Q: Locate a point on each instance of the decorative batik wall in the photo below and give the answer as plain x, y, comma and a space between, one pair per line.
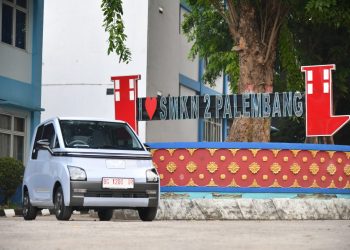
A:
253, 167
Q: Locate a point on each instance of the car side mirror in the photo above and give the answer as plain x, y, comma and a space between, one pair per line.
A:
148, 148
44, 144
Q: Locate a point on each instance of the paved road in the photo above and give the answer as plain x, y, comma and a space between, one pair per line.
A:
84, 232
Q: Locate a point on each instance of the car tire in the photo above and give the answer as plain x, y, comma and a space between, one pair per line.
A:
62, 212
105, 214
147, 213
29, 212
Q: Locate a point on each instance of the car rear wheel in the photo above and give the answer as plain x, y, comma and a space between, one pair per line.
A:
62, 212
147, 213
29, 212
105, 214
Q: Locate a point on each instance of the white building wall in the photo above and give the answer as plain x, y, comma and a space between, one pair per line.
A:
219, 84
76, 67
165, 58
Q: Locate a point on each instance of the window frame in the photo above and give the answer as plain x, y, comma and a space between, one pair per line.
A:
26, 11
212, 130
14, 133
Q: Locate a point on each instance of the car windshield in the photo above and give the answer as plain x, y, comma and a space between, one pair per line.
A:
98, 135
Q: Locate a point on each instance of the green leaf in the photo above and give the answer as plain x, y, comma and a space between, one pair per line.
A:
113, 23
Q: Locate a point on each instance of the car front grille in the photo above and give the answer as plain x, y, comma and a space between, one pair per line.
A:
116, 195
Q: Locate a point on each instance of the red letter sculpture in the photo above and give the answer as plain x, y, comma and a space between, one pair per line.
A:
125, 97
319, 102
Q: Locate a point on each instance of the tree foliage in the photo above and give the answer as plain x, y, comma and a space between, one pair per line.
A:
315, 33
113, 24
300, 34
11, 174
288, 75
209, 33
214, 28
335, 13
322, 32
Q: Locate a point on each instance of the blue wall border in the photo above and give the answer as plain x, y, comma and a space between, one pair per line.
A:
250, 145
254, 190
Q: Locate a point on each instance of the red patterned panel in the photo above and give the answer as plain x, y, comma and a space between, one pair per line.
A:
304, 158
286, 159
339, 160
161, 159
243, 158
253, 168
202, 157
322, 160
265, 158
223, 158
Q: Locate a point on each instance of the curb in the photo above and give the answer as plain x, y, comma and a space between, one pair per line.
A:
233, 209
245, 209
18, 212
255, 209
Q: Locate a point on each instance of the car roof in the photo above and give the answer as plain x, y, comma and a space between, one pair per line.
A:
75, 118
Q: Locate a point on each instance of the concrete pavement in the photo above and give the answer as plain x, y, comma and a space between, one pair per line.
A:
83, 232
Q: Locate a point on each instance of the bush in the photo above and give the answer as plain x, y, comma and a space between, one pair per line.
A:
11, 175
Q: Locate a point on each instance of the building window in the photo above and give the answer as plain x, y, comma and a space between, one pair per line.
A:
212, 130
12, 136
14, 23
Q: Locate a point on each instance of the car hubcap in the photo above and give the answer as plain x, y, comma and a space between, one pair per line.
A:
25, 205
58, 205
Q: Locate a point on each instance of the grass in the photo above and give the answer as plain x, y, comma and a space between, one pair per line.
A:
10, 206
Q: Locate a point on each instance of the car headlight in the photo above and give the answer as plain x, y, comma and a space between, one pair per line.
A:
77, 174
152, 175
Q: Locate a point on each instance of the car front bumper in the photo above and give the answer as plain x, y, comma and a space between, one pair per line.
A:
90, 194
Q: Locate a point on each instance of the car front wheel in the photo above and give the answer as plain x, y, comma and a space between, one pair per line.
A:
147, 213
62, 212
29, 212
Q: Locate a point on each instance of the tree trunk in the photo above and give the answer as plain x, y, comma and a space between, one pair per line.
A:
256, 75
313, 140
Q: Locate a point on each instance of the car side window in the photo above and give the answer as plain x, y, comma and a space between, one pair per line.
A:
49, 134
38, 136
44, 132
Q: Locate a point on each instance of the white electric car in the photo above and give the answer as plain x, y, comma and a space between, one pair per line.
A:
81, 164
